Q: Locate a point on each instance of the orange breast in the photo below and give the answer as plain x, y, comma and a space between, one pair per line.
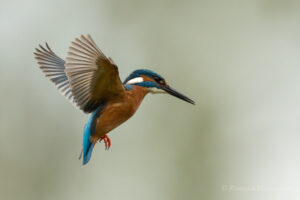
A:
118, 110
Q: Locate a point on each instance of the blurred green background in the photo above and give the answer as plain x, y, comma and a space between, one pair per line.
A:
239, 60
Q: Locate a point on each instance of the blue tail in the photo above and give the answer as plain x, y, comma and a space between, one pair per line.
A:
89, 130
88, 146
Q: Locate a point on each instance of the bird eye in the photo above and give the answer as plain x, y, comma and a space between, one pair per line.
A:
159, 80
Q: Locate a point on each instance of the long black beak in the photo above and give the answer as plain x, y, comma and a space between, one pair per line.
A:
174, 93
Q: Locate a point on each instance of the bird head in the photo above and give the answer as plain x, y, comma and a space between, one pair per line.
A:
154, 83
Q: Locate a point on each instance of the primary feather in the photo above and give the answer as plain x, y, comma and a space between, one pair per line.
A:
54, 69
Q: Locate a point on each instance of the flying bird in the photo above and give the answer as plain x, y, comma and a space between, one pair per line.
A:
91, 81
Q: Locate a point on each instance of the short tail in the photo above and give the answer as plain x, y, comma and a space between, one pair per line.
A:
89, 130
87, 148
87, 154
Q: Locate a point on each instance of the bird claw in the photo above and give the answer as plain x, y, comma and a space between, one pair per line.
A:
106, 140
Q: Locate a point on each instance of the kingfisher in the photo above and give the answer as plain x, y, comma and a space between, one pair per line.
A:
90, 80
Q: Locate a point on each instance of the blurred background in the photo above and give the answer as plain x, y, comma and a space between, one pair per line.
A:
239, 60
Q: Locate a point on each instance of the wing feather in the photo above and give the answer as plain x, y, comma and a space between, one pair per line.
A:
93, 77
54, 69
87, 78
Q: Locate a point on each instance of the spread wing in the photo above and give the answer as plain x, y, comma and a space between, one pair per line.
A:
54, 69
93, 77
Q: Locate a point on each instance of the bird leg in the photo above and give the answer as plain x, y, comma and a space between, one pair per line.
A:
106, 140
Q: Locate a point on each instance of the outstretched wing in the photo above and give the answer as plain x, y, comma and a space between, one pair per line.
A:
93, 77
54, 69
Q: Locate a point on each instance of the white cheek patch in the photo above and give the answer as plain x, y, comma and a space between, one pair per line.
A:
135, 80
156, 91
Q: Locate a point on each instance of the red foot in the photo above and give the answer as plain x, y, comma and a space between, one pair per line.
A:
107, 141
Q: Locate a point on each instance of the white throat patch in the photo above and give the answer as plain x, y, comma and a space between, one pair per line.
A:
156, 91
135, 80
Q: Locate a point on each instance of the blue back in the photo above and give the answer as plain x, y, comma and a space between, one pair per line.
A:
89, 130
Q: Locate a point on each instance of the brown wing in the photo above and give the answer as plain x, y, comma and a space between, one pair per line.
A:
93, 77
